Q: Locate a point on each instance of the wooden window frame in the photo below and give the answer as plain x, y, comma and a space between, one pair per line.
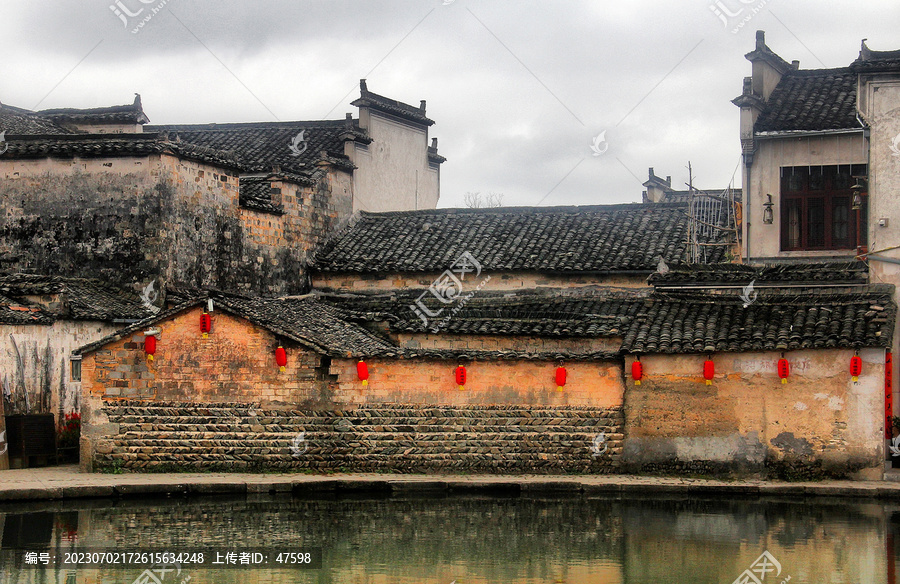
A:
814, 185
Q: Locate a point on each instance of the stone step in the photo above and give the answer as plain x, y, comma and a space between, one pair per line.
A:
484, 466
412, 457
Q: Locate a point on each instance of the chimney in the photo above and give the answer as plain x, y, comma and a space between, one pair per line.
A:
760, 39
362, 85
795, 64
422, 106
668, 180
434, 144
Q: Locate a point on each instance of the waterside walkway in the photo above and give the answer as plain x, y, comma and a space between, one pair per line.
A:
68, 482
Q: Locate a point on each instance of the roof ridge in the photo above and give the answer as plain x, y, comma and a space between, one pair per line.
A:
524, 209
225, 126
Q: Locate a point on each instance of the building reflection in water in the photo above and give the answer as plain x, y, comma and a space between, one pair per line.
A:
484, 539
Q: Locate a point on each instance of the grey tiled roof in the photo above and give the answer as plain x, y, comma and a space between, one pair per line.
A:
303, 320
255, 193
871, 61
673, 196
646, 321
310, 322
132, 113
697, 322
580, 312
17, 121
391, 106
18, 312
836, 273
265, 145
81, 299
108, 145
813, 99
658, 321
603, 239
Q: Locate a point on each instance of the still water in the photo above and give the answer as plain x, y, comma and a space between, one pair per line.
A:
467, 540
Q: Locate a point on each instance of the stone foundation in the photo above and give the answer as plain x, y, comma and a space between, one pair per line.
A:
167, 436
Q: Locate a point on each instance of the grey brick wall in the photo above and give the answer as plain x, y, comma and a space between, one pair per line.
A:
393, 437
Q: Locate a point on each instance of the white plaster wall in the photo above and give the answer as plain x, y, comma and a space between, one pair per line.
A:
880, 107
764, 241
393, 172
36, 359
11, 168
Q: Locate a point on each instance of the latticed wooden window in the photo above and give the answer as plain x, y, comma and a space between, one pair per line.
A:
816, 208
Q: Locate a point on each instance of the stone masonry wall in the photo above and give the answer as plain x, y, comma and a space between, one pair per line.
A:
819, 424
385, 437
97, 218
160, 218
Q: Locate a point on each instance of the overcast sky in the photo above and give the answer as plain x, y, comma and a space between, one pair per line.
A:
519, 90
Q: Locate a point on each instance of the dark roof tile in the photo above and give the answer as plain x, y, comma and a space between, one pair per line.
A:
16, 121
811, 100
264, 146
81, 299
836, 273
607, 238
132, 113
702, 322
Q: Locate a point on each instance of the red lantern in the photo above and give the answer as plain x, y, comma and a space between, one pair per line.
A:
784, 369
461, 376
205, 324
709, 371
637, 372
560, 378
281, 357
855, 367
362, 371
150, 347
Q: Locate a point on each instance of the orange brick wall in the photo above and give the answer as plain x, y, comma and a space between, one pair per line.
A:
819, 421
497, 382
236, 363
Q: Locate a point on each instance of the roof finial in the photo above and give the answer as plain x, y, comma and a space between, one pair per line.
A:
760, 39
362, 85
864, 52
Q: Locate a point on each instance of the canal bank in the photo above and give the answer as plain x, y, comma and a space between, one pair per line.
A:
68, 482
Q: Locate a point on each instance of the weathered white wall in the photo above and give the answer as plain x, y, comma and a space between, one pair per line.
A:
879, 102
393, 172
764, 241
498, 281
36, 359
